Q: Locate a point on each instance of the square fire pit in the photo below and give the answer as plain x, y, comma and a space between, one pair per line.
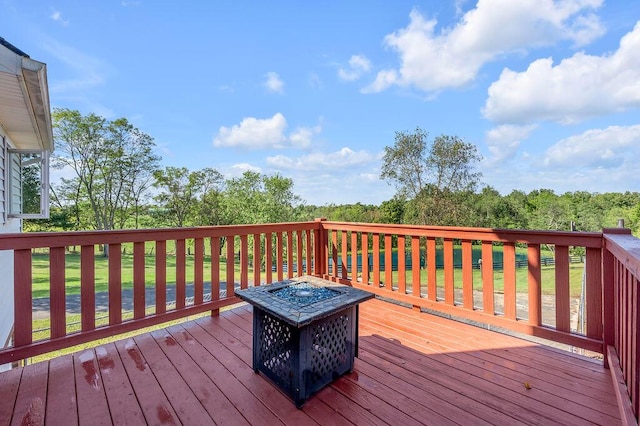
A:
305, 333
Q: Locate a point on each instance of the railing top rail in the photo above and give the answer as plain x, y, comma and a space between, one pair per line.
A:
625, 247
29, 240
583, 239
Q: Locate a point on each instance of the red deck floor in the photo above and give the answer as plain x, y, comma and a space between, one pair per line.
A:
413, 368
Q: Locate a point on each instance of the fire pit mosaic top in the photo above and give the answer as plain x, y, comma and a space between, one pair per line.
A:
302, 301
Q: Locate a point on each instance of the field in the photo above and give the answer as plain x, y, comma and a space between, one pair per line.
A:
72, 278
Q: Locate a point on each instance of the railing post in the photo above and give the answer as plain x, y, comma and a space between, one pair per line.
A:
609, 325
608, 300
22, 294
534, 278
320, 248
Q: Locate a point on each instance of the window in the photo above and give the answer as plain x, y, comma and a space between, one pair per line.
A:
28, 184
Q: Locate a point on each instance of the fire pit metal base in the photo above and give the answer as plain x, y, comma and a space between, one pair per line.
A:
303, 360
301, 346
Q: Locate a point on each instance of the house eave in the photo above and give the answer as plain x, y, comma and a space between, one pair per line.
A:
25, 113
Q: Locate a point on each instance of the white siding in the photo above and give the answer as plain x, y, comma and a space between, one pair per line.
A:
15, 185
6, 257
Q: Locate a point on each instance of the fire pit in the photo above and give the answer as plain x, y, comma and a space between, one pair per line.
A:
305, 333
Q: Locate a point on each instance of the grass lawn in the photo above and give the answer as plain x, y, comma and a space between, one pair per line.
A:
548, 279
41, 272
72, 278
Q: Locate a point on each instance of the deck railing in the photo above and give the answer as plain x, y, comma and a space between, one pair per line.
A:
524, 281
233, 250
621, 277
448, 280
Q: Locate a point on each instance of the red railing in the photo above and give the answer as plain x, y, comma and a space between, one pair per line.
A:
291, 252
621, 276
450, 287
523, 282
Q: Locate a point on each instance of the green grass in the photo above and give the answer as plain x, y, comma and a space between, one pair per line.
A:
40, 272
522, 286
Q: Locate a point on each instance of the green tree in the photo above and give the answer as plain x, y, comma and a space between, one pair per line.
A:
492, 210
548, 211
30, 183
256, 198
111, 162
435, 176
182, 193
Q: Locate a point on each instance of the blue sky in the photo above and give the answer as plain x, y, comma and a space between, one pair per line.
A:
549, 91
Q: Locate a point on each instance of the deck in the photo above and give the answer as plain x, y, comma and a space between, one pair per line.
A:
413, 368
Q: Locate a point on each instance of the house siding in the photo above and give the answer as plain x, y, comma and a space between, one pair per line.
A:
7, 225
15, 184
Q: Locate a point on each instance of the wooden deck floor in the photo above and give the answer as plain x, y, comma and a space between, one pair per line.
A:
413, 369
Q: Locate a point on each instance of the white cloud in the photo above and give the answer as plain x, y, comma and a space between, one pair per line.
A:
238, 169
503, 142
370, 177
256, 133
303, 136
432, 61
56, 15
314, 81
344, 158
384, 79
597, 160
226, 88
89, 71
608, 148
332, 181
274, 83
253, 133
578, 87
358, 65
83, 75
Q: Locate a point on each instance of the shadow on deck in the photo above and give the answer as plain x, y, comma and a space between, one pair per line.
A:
413, 368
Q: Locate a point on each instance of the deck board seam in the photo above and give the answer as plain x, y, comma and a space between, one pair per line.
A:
15, 397
482, 396
384, 386
245, 347
447, 323
187, 353
219, 342
600, 372
455, 343
512, 380
165, 386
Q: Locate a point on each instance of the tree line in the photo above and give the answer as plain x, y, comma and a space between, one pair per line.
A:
114, 181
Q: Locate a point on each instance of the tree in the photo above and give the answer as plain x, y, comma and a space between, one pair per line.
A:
548, 211
256, 198
392, 211
141, 163
183, 193
111, 162
495, 211
434, 175
30, 183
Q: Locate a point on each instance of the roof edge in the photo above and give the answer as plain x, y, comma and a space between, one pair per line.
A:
11, 47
